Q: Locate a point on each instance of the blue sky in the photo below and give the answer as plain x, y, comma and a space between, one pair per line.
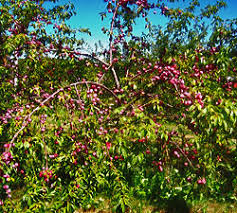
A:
88, 16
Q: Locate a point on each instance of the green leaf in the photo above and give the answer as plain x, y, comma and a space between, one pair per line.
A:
85, 30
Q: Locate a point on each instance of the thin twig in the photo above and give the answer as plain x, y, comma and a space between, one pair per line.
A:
102, 77
77, 92
190, 163
94, 57
140, 74
46, 156
176, 88
84, 54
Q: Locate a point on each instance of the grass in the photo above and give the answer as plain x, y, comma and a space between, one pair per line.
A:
214, 207
210, 206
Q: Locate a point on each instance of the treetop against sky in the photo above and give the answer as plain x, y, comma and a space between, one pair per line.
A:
88, 16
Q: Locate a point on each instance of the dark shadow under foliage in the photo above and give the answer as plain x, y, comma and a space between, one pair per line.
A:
177, 205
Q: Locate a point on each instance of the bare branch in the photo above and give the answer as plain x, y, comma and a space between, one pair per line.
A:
111, 46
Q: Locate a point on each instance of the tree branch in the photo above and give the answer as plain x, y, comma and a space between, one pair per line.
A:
25, 122
111, 46
190, 163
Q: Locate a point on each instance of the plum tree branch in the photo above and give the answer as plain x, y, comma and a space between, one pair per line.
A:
25, 121
182, 152
111, 46
109, 65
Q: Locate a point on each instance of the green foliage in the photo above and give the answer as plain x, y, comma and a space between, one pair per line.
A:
152, 118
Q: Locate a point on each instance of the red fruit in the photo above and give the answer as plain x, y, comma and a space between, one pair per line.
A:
108, 145
6, 187
176, 153
148, 151
201, 181
160, 168
115, 60
204, 181
189, 179
186, 145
